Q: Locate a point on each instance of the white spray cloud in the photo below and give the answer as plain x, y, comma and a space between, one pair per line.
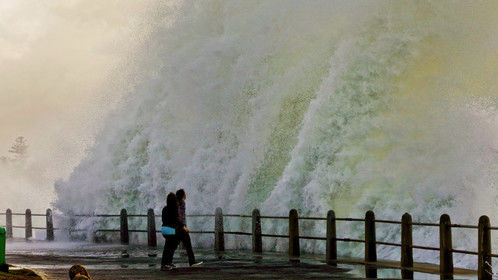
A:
316, 105
63, 66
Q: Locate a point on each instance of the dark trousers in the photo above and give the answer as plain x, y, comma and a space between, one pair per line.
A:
171, 244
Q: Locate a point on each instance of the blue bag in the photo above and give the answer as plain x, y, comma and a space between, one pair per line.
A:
168, 231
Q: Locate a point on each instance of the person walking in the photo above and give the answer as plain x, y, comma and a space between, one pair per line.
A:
181, 196
174, 231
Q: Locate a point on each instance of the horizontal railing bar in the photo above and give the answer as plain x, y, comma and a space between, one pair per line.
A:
313, 237
350, 219
237, 233
107, 230
464, 252
350, 240
194, 231
18, 227
96, 215
494, 255
3, 213
387, 243
137, 216
426, 224
313, 218
200, 215
134, 215
18, 214
274, 217
106, 215
425, 248
493, 228
464, 226
237, 215
388, 222
38, 227
275, 235
39, 215
137, 230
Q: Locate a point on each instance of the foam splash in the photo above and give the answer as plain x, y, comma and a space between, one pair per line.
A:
315, 106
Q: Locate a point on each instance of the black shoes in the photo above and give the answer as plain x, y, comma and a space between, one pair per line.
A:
167, 267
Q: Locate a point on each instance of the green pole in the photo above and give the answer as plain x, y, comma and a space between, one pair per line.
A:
3, 266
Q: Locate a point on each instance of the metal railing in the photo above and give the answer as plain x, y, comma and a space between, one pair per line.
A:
446, 250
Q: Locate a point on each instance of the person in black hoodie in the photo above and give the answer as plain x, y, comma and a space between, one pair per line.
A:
174, 231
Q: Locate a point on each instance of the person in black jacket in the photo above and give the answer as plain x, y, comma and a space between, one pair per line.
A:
181, 196
171, 220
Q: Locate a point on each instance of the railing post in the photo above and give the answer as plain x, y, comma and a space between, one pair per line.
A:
8, 221
125, 238
370, 245
95, 238
28, 225
151, 229
406, 247
3, 265
331, 239
219, 236
445, 248
72, 225
257, 242
294, 250
484, 268
50, 225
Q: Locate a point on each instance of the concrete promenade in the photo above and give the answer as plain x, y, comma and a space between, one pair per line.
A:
105, 261
55, 268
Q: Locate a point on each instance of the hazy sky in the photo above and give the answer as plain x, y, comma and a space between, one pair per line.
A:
61, 68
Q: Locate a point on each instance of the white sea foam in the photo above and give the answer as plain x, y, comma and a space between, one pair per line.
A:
316, 105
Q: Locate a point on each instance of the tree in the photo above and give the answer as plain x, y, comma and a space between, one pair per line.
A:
20, 148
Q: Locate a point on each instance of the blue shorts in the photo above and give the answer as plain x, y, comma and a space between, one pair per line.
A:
168, 230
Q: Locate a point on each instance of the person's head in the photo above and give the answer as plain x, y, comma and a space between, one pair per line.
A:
171, 200
180, 194
78, 270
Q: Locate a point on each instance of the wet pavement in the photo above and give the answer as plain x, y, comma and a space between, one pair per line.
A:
108, 261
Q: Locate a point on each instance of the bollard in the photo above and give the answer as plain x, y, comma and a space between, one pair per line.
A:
257, 241
445, 248
29, 225
219, 236
72, 225
370, 245
3, 235
95, 238
406, 247
331, 239
294, 250
125, 238
8, 218
151, 229
484, 268
50, 225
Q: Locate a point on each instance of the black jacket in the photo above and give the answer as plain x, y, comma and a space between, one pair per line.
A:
171, 219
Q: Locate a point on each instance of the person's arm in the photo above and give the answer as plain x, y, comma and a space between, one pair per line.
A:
179, 223
164, 216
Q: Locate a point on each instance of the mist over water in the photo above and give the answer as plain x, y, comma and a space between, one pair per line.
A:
62, 67
351, 106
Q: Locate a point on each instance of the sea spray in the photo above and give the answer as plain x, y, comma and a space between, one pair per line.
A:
315, 106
